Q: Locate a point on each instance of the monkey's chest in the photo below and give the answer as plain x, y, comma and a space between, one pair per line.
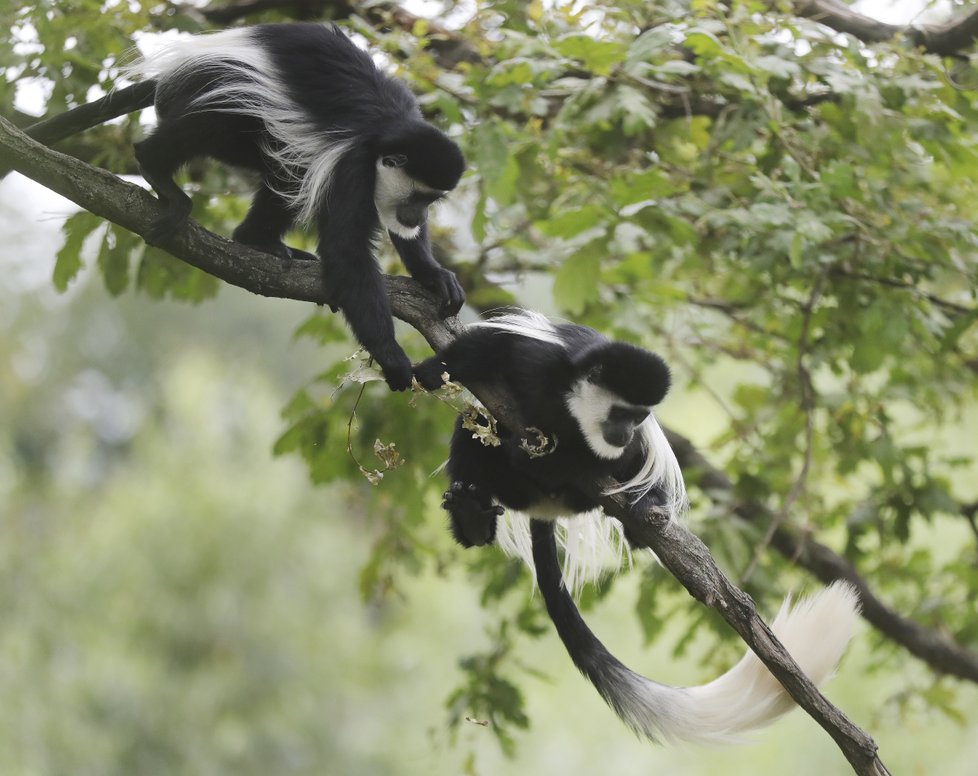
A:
561, 502
560, 486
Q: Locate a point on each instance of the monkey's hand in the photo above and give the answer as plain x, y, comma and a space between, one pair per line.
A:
397, 372
429, 373
443, 284
472, 513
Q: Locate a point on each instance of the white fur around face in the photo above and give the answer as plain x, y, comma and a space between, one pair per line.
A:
590, 404
392, 187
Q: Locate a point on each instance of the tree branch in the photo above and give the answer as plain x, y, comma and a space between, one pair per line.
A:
448, 46
945, 39
938, 651
681, 552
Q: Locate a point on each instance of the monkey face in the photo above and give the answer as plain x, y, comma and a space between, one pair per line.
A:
607, 422
402, 202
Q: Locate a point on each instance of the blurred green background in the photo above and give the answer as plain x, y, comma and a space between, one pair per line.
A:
174, 599
195, 577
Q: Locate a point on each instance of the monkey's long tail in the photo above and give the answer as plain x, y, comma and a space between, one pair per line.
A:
116, 103
746, 697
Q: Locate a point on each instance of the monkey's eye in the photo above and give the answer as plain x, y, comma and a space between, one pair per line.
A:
395, 160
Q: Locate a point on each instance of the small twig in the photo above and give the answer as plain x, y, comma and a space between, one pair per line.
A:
808, 407
970, 513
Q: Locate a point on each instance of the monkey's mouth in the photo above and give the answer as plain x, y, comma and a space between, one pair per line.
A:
410, 216
616, 436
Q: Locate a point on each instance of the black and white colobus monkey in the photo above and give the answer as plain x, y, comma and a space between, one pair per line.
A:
593, 399
336, 142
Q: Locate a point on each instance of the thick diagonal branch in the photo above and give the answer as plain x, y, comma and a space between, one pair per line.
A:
681, 552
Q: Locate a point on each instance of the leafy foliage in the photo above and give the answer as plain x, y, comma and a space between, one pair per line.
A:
787, 214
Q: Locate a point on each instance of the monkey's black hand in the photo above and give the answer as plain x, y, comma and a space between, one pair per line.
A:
398, 372
443, 283
473, 515
429, 373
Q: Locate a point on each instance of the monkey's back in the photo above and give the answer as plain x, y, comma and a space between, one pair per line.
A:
328, 75
309, 77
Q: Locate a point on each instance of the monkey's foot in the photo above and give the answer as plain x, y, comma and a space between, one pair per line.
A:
473, 515
274, 247
174, 219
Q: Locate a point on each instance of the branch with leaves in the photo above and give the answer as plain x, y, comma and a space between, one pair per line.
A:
680, 551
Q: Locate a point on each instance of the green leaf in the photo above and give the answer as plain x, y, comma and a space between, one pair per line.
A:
113, 259
596, 55
739, 82
576, 282
839, 177
160, 275
777, 66
68, 262
497, 167
704, 44
795, 250
650, 43
641, 186
572, 222
322, 328
636, 110
678, 67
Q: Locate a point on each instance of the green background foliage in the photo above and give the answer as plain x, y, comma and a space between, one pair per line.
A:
785, 213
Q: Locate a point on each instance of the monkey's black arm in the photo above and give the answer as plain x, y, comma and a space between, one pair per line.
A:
417, 258
354, 281
472, 359
133, 208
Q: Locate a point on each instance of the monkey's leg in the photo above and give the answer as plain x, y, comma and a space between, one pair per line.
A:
159, 156
473, 515
268, 219
480, 476
417, 258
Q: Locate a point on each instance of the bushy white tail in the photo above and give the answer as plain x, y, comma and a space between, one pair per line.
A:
815, 632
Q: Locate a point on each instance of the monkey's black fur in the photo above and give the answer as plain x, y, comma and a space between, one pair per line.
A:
310, 112
220, 103
538, 374
592, 399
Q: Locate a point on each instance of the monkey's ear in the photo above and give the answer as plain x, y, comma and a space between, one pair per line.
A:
393, 160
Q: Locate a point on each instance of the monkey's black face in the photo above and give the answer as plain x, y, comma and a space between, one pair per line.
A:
607, 422
618, 428
402, 202
413, 211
